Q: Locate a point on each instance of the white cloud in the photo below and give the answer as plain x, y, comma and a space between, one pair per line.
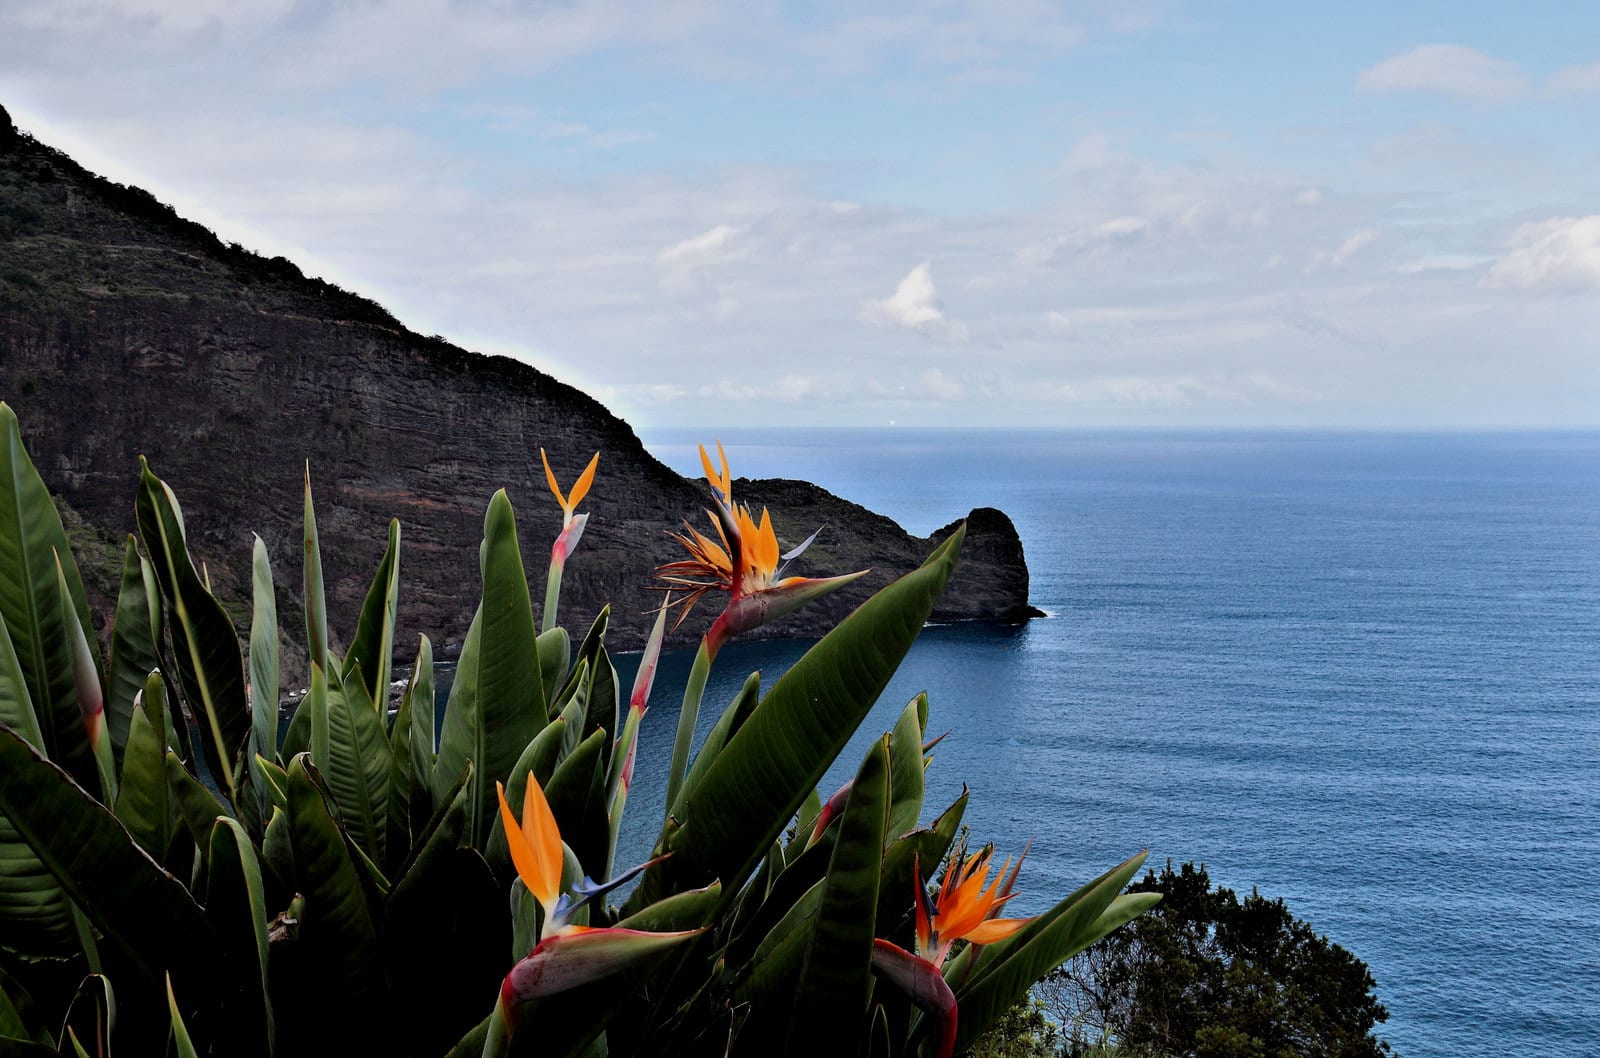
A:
1448, 69
1309, 197
915, 306
1574, 81
711, 246
1442, 262
1558, 254
1352, 246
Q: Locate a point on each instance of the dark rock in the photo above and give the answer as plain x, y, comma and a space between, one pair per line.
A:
126, 330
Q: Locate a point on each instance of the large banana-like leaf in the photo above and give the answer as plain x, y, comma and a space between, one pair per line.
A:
263, 655
905, 767
732, 718
495, 705
350, 749
577, 797
411, 801
600, 693
144, 797
338, 935
30, 538
539, 759
90, 686
751, 791
927, 845
1000, 974
441, 834
316, 600
836, 977
236, 905
35, 910
134, 639
369, 656
205, 650
126, 895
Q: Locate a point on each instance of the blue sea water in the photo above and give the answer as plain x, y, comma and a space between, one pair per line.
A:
1357, 671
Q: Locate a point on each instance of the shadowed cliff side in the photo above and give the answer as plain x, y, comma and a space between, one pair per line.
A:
125, 329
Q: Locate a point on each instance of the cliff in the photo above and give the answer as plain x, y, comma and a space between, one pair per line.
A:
125, 329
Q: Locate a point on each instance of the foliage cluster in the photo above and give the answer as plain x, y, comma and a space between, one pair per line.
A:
1208, 975
174, 872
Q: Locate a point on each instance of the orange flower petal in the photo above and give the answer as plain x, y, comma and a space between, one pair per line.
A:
550, 477
544, 838
995, 929
580, 489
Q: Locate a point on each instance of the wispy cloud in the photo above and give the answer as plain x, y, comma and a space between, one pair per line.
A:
1451, 70
1562, 253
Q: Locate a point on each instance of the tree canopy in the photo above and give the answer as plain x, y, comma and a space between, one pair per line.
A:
1208, 975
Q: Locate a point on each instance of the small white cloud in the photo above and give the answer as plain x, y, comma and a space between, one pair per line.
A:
1123, 226
1573, 81
1448, 69
1558, 254
915, 306
1309, 197
1353, 245
1058, 322
716, 244
1441, 262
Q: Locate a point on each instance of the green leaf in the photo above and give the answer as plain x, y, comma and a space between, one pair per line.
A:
182, 1045
1002, 973
349, 748
555, 658
90, 686
732, 718
371, 651
36, 913
30, 602
539, 759
751, 791
134, 638
236, 905
836, 978
337, 932
926, 846
91, 1018
905, 768
441, 834
263, 656
411, 742
316, 601
577, 796
205, 650
127, 896
144, 797
495, 705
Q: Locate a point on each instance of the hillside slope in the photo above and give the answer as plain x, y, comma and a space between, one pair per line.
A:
125, 329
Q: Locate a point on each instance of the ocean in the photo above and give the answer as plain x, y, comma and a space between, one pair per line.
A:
1357, 671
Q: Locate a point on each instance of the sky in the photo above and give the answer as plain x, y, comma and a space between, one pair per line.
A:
960, 213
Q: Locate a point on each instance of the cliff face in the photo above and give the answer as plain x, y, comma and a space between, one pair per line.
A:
126, 330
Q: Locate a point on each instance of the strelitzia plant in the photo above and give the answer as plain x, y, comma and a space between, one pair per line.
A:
345, 887
572, 525
745, 565
567, 954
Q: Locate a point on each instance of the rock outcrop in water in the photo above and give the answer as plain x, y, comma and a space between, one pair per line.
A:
125, 329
